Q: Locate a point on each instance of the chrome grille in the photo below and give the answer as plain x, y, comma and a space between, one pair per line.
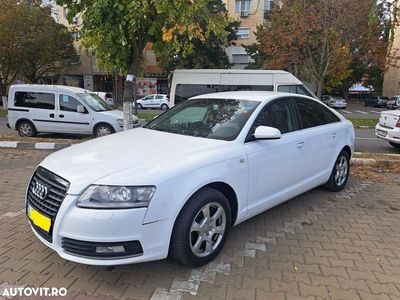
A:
45, 194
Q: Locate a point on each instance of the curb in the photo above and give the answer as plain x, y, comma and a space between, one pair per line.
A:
33, 146
372, 162
364, 127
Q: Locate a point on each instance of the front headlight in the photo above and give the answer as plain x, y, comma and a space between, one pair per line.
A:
105, 196
120, 122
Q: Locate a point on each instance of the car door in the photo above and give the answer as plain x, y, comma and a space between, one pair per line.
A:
158, 99
69, 119
40, 107
319, 133
147, 101
275, 166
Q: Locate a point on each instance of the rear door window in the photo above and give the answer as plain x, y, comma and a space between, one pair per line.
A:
313, 114
34, 100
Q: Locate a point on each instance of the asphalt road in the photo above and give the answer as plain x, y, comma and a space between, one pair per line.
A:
357, 110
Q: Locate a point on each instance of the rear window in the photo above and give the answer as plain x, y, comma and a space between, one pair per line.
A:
34, 100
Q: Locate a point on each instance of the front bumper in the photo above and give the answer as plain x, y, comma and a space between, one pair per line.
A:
392, 135
108, 226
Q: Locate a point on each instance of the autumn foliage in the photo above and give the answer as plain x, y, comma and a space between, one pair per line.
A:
319, 40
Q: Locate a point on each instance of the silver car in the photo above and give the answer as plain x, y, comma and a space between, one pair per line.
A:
334, 102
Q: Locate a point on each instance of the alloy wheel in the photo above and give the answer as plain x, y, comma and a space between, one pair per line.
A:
208, 229
342, 168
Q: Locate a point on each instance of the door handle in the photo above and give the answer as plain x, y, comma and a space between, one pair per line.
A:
61, 116
300, 145
51, 115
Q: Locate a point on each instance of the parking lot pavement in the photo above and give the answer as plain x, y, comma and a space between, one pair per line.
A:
357, 110
320, 245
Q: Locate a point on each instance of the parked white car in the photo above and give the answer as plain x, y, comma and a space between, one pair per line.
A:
393, 103
200, 168
36, 109
107, 97
159, 101
334, 101
388, 128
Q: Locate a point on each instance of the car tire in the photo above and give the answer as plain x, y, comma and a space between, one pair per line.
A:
194, 241
26, 129
164, 106
139, 106
340, 173
395, 145
103, 130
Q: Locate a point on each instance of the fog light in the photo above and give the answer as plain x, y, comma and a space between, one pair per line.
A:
110, 249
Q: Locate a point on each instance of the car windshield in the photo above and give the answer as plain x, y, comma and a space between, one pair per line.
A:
221, 119
95, 102
337, 98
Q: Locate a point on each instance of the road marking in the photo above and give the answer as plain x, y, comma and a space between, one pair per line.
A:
375, 112
346, 111
361, 112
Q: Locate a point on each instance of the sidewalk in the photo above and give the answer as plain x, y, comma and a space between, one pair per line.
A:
320, 245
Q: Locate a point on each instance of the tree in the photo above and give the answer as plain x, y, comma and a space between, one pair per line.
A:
11, 20
118, 32
206, 54
48, 46
314, 37
32, 44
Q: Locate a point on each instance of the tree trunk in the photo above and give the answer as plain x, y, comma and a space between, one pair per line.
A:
127, 104
320, 86
129, 95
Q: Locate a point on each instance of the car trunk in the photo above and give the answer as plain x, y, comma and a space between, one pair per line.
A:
389, 119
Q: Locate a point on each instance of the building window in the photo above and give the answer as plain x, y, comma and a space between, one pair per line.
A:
243, 33
240, 59
243, 5
267, 9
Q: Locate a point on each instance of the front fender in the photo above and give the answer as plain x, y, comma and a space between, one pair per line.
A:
173, 194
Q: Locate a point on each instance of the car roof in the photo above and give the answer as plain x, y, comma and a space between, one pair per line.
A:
230, 71
262, 96
54, 88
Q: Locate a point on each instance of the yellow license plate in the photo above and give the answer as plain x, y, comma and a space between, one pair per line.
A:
39, 220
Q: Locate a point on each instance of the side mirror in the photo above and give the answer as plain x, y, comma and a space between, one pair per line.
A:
267, 133
80, 109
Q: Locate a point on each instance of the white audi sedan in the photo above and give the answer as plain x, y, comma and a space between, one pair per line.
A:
178, 185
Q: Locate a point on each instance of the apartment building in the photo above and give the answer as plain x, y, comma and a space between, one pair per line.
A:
391, 82
250, 13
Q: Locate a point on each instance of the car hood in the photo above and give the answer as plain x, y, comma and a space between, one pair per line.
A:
118, 114
148, 156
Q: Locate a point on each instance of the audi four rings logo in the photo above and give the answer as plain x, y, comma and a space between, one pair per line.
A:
39, 190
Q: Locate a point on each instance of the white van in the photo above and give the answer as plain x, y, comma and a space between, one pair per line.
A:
36, 108
194, 82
